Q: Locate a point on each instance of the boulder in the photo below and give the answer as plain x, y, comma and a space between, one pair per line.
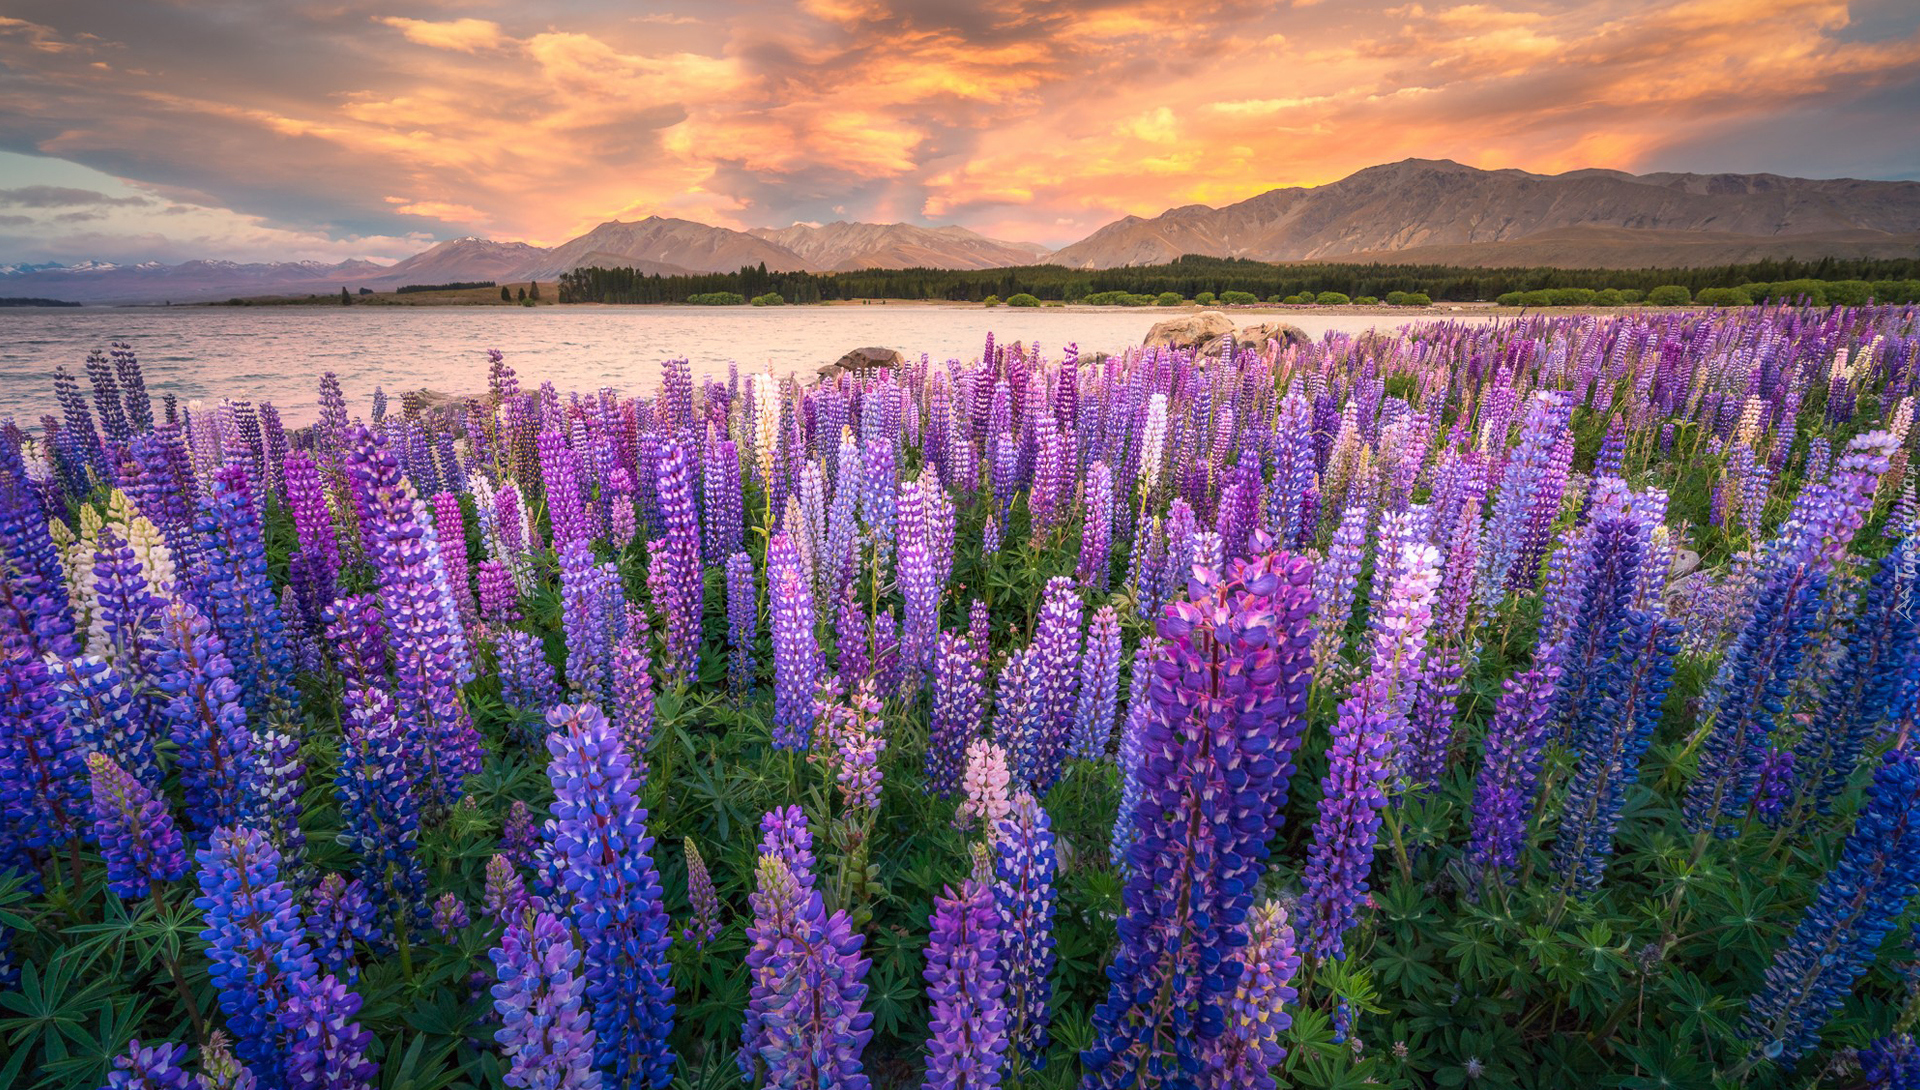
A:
1254, 338
863, 359
1188, 330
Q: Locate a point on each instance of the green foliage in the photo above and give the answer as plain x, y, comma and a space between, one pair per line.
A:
1168, 299
718, 299
991, 301
1332, 299
1724, 297
1238, 298
1022, 299
1204, 298
1669, 295
770, 299
1365, 301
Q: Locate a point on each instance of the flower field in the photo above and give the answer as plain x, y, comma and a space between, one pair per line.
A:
1516, 705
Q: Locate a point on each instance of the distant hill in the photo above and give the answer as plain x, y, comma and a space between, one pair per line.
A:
1432, 207
665, 246
841, 247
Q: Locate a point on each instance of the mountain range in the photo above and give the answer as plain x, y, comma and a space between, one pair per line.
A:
1415, 211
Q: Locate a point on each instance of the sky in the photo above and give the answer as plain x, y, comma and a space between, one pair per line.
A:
333, 129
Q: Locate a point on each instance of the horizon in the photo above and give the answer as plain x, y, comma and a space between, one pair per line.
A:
371, 131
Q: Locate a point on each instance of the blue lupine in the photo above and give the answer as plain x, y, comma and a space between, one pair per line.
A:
136, 834
1099, 686
805, 1023
256, 945
325, 1050
150, 1067
600, 832
966, 1009
1862, 897
42, 786
1859, 695
233, 588
959, 702
743, 623
796, 651
1024, 867
340, 916
1054, 678
545, 1034
207, 722
379, 792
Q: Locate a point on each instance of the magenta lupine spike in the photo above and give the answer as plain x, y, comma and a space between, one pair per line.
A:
796, 651
499, 599
314, 566
560, 472
326, 1051
450, 530
673, 568
917, 583
966, 1012
959, 704
1099, 686
1229, 699
1371, 725
136, 834
704, 924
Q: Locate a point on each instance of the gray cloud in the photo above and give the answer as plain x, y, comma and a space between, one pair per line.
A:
60, 196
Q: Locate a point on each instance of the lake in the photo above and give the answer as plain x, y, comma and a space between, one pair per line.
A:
277, 354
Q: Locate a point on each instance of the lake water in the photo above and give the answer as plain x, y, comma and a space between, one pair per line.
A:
277, 354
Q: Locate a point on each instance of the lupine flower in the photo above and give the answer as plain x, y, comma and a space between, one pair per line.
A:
340, 915
743, 623
208, 724
526, 678
1250, 1049
673, 567
1175, 967
135, 831
1132, 753
796, 652
601, 833
633, 699
1891, 1063
591, 616
150, 1067
1371, 727
255, 942
504, 899
1099, 686
326, 1051
1503, 795
986, 783
1053, 678
959, 697
1096, 537
545, 1033
1024, 871
379, 792
1863, 896
966, 1014
705, 922
234, 589
449, 915
805, 1025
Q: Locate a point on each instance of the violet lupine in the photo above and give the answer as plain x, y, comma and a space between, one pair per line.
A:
852, 636
1131, 752
1504, 792
233, 587
545, 1034
1099, 686
104, 716
1525, 480
1371, 727
207, 722
743, 623
136, 834
450, 915
1334, 583
150, 1067
1860, 694
805, 1024
256, 946
450, 530
1862, 898
959, 703
526, 678
721, 478
1054, 678
633, 699
1229, 698
35, 615
1250, 1049
499, 600
419, 636
339, 917
966, 1011
325, 1050
560, 473
704, 924
600, 831
42, 788
796, 652
1096, 535
917, 581
591, 612
673, 567
1024, 870
378, 786
504, 898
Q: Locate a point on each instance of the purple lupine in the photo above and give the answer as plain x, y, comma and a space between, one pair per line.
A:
1334, 582
1371, 726
796, 652
1131, 753
518, 836
1024, 868
673, 567
1866, 893
450, 530
1503, 794
526, 678
104, 716
704, 924
232, 586
1054, 678
34, 613
1229, 700
42, 790
206, 720
743, 623
150, 1067
805, 1025
1096, 535
379, 790
959, 703
560, 472
256, 944
1524, 479
917, 582
545, 1034
137, 838
314, 565
600, 831
1099, 686
450, 915
339, 916
499, 600
326, 1051
504, 898
589, 616
419, 635
1250, 1049
721, 478
966, 1009
633, 700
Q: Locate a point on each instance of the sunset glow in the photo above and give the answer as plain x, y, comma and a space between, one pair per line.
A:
367, 129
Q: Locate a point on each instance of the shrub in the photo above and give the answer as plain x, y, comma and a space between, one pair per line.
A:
1510, 299
1631, 296
1205, 298
770, 299
1305, 298
717, 299
1396, 298
990, 301
1332, 299
1365, 301
1848, 293
1022, 299
1571, 297
1239, 298
1539, 297
1168, 299
1723, 297
1418, 299
1669, 295
1608, 297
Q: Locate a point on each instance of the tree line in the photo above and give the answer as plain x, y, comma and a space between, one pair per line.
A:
1192, 275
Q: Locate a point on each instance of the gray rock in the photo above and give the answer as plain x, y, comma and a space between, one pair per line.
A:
863, 359
1188, 330
1254, 338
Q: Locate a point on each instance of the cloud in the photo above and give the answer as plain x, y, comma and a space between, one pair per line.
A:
353, 126
15, 221
58, 196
